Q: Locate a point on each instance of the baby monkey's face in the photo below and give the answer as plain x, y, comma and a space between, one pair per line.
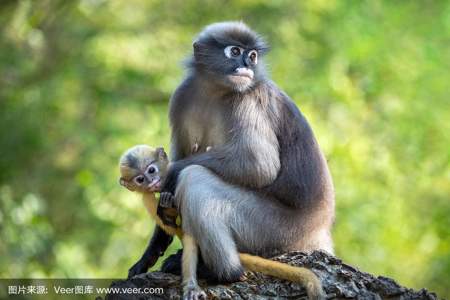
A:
149, 179
143, 168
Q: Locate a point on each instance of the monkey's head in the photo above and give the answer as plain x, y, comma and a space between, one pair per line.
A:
143, 168
229, 54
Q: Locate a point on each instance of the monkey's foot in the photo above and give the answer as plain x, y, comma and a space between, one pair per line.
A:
193, 293
142, 266
138, 268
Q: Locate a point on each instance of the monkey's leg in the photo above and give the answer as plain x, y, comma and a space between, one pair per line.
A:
205, 216
191, 289
156, 247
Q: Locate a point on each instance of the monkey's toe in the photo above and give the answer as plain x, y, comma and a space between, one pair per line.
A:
243, 277
233, 275
194, 293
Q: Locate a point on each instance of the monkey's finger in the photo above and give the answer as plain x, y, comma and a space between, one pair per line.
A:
166, 200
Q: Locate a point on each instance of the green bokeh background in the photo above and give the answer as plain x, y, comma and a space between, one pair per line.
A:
81, 81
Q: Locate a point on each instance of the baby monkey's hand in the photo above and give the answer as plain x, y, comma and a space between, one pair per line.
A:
166, 200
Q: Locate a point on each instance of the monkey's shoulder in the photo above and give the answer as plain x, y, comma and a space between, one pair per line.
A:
287, 109
180, 98
280, 107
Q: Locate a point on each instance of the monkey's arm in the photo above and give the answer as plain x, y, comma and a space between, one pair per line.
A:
238, 163
156, 247
304, 179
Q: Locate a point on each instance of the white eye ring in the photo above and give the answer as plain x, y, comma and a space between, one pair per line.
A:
152, 169
139, 180
253, 55
229, 53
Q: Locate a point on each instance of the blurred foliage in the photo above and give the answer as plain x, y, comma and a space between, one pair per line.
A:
80, 81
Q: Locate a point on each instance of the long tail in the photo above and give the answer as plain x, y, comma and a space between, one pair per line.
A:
300, 275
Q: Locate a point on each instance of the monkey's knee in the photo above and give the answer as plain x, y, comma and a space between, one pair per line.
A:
192, 187
191, 175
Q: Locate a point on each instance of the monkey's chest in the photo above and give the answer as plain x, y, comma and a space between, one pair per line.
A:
206, 131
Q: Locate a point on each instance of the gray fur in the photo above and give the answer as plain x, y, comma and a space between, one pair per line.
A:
264, 187
132, 161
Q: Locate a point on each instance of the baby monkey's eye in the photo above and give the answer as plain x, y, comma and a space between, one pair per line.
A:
139, 179
152, 169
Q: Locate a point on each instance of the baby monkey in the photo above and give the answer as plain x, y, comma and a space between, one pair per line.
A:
143, 169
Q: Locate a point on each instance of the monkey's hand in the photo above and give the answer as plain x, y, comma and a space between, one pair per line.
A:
166, 200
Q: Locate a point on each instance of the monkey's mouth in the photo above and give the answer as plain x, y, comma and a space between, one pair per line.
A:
243, 72
154, 186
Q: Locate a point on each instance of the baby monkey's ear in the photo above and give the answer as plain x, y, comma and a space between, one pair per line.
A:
126, 183
161, 154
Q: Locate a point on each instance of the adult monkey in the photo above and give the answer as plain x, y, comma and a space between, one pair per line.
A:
265, 176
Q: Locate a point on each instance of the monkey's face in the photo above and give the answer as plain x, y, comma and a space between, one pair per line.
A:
235, 67
242, 66
147, 180
230, 53
143, 169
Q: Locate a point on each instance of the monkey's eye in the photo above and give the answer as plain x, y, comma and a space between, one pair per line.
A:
232, 51
235, 51
152, 169
139, 179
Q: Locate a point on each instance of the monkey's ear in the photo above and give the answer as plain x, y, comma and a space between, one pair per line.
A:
125, 183
198, 47
161, 154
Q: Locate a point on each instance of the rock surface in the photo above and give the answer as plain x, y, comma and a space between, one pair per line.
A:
340, 281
